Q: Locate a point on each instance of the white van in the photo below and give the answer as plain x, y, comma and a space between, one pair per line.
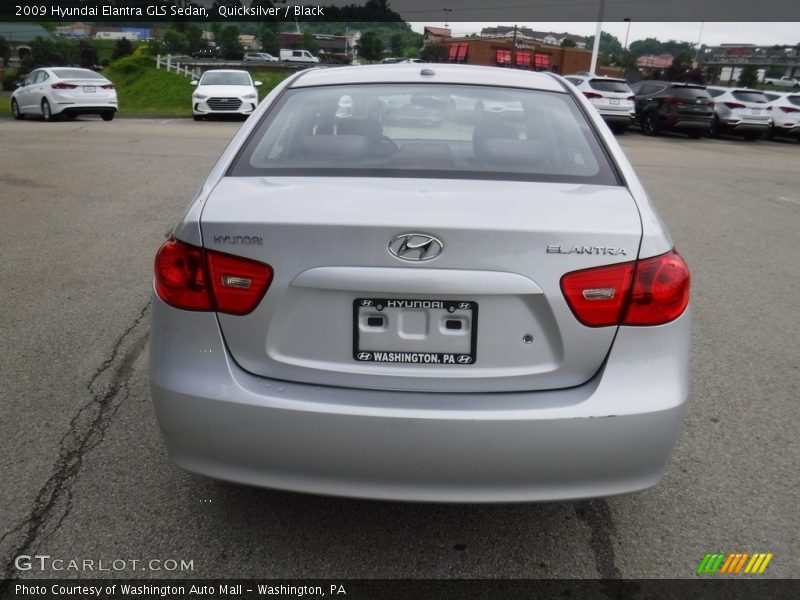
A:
298, 56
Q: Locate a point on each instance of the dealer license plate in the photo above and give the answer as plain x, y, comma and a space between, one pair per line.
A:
395, 330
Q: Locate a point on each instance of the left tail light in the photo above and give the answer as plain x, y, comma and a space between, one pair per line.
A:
192, 278
592, 95
652, 291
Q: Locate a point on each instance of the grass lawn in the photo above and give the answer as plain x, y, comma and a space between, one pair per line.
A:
144, 90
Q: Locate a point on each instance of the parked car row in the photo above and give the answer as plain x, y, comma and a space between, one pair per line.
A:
696, 110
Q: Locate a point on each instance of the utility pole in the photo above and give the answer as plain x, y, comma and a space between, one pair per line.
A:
597, 33
514, 48
627, 31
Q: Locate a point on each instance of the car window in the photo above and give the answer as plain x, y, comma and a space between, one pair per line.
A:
794, 100
77, 74
715, 93
574, 80
758, 97
40, 76
688, 93
649, 89
604, 85
427, 130
219, 78
771, 97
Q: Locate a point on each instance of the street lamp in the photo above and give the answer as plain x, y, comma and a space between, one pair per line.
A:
628, 21
446, 16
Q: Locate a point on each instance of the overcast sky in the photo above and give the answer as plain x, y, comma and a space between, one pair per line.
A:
712, 33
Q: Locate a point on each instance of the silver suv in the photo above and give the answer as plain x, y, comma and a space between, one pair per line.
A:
612, 98
740, 111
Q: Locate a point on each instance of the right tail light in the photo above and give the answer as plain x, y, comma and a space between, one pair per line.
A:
652, 291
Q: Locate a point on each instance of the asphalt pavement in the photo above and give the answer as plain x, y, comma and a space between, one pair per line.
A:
84, 206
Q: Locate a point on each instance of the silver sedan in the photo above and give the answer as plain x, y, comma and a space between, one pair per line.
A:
485, 311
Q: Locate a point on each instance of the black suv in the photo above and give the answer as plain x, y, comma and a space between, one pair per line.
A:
666, 106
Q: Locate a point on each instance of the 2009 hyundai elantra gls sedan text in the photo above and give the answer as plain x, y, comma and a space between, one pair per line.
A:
487, 310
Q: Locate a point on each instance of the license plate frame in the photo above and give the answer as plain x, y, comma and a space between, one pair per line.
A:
615, 101
458, 308
89, 89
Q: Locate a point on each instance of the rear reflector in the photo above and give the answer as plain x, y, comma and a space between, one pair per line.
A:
652, 291
191, 278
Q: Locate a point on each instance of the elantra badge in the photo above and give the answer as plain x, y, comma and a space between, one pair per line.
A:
415, 246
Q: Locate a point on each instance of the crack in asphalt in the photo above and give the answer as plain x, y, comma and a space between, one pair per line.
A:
596, 514
86, 431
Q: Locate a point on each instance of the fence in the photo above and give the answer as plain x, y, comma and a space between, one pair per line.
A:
173, 63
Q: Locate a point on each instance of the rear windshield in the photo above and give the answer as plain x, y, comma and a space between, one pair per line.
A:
77, 74
225, 79
688, 92
603, 85
794, 100
426, 130
750, 97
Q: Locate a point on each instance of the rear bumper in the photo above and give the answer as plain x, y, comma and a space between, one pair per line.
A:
618, 117
612, 435
690, 123
788, 130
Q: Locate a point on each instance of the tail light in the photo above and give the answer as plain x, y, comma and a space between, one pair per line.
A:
631, 98
711, 104
788, 109
652, 291
734, 105
592, 95
192, 278
673, 101
108, 86
63, 86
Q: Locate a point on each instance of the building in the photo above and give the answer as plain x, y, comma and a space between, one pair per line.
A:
435, 35
20, 36
249, 42
551, 38
729, 57
527, 54
651, 62
76, 30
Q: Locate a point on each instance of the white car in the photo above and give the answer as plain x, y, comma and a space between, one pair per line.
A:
64, 91
224, 92
260, 57
785, 110
612, 98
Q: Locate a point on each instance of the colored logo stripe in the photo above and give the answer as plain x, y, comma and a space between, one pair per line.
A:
724, 563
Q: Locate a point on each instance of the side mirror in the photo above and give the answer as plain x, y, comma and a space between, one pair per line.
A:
195, 82
257, 83
20, 84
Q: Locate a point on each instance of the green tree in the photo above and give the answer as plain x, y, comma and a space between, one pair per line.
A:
370, 46
397, 44
270, 38
609, 44
194, 37
748, 76
48, 52
306, 42
568, 42
646, 47
228, 42
87, 55
5, 48
176, 42
122, 48
435, 53
774, 71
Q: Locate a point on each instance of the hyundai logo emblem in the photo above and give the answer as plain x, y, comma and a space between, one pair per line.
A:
415, 246
464, 359
364, 355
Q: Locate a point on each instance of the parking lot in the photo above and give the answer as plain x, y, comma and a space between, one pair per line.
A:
85, 204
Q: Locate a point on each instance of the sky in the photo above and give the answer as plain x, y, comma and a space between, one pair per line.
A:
712, 33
